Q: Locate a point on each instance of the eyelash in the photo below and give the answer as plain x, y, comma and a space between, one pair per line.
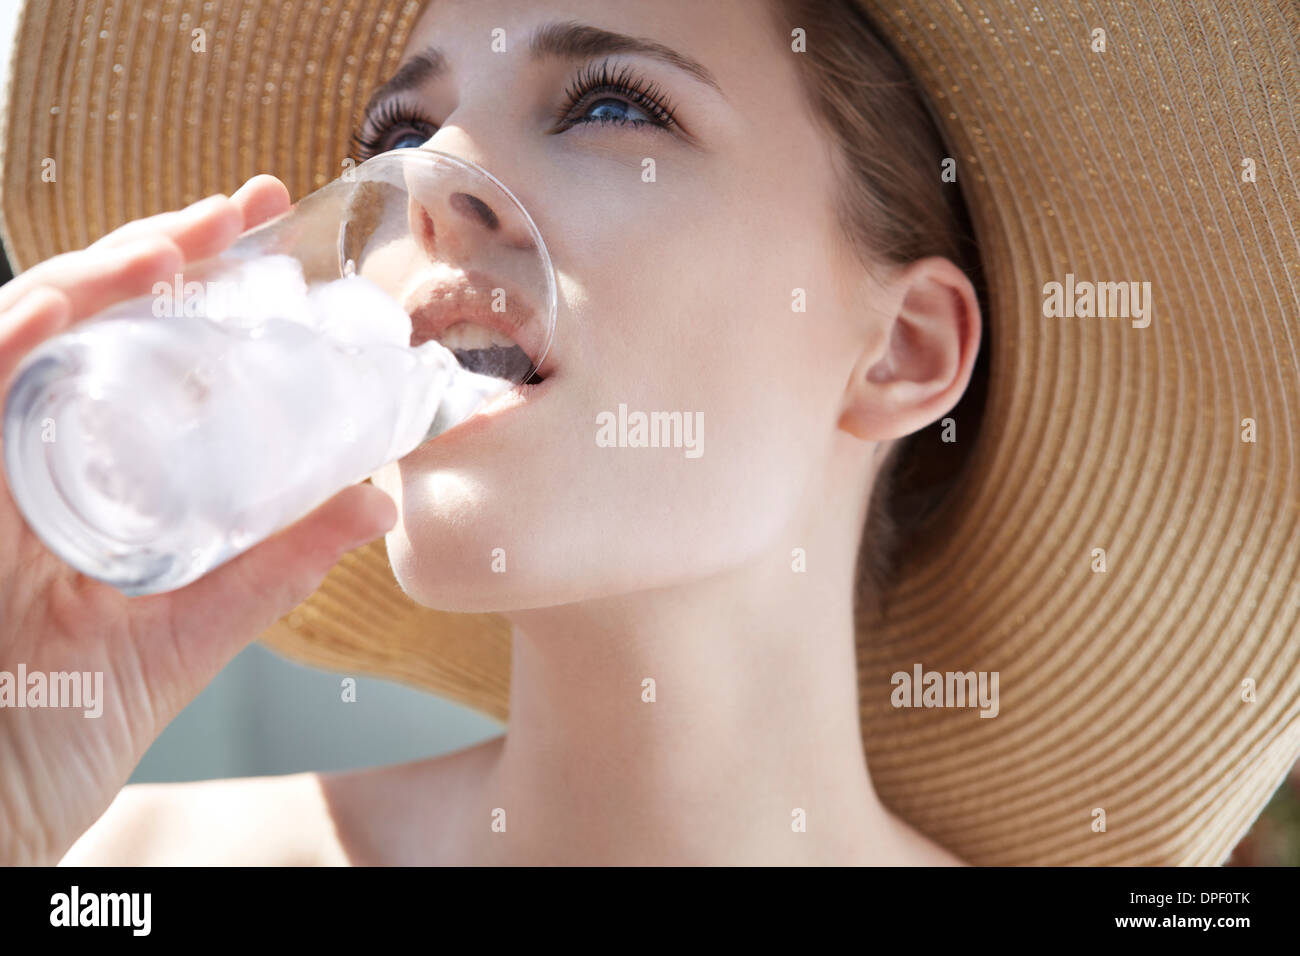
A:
589, 85
597, 79
376, 126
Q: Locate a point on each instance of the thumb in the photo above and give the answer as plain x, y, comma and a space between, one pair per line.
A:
218, 615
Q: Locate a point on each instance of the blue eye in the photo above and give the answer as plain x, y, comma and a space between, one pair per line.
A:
409, 141
602, 94
610, 110
392, 126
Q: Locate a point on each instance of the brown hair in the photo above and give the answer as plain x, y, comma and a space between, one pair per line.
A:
894, 208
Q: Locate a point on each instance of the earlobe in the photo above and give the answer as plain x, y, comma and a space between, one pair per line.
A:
866, 413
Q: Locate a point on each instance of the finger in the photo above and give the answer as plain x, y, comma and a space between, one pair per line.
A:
149, 225
201, 229
261, 198
95, 280
220, 613
37, 316
209, 225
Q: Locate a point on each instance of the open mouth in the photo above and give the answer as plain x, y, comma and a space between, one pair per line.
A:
489, 329
486, 352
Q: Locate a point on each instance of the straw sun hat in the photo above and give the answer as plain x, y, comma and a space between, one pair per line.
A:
1162, 692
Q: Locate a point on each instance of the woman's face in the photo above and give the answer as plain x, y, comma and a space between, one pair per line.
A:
681, 254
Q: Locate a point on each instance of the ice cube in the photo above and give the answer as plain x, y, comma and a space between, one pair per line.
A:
356, 311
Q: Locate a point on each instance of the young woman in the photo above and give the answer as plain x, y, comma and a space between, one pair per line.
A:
682, 686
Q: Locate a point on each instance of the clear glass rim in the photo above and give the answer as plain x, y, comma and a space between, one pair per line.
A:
399, 157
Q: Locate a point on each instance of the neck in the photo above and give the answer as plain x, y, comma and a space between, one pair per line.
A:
689, 725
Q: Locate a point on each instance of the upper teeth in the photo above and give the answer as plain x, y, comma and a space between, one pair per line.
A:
467, 336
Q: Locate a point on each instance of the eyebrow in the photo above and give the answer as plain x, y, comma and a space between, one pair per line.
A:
578, 41
568, 40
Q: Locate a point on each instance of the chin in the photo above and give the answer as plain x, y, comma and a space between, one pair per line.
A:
449, 567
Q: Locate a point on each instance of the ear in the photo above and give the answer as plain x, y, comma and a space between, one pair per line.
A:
916, 366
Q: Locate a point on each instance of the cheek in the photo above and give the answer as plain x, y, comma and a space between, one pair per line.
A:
704, 323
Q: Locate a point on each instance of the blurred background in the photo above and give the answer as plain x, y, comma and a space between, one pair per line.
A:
266, 715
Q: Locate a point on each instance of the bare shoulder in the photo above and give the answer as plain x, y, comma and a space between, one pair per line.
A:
407, 814
378, 815
249, 821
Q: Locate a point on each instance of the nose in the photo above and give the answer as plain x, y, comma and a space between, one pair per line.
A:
457, 224
453, 226
472, 208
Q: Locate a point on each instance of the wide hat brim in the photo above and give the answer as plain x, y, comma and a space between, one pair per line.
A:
1125, 695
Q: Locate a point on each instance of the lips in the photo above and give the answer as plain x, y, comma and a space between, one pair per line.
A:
506, 339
